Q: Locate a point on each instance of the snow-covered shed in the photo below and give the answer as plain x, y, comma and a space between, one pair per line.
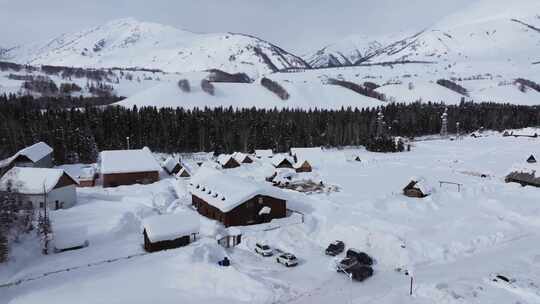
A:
87, 176
41, 185
417, 187
280, 161
242, 158
128, 167
70, 238
302, 166
264, 153
227, 161
236, 201
188, 169
229, 237
172, 165
169, 231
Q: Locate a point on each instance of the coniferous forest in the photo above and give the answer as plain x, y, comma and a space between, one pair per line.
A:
77, 134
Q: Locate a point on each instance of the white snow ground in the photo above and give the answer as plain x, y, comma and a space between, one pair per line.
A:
456, 242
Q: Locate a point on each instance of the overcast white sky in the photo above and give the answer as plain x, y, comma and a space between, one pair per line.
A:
297, 25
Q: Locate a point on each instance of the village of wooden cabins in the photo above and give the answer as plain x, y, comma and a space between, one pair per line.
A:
233, 201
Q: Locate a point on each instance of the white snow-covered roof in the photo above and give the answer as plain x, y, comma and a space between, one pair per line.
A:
227, 192
276, 160
127, 161
170, 163
87, 173
264, 153
423, 185
224, 158
306, 153
70, 237
36, 151
299, 163
239, 156
26, 180
170, 226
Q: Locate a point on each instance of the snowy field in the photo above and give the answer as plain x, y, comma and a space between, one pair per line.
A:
453, 242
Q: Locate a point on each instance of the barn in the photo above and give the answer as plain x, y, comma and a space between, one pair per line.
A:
236, 201
280, 161
417, 187
303, 166
41, 186
170, 231
128, 167
172, 165
227, 161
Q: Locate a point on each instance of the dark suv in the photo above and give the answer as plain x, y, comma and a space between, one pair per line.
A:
362, 257
335, 248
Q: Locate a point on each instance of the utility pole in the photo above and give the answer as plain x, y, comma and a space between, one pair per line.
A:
127, 142
457, 130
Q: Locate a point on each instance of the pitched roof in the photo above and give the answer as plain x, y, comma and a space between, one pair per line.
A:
227, 192
26, 180
127, 161
278, 159
300, 163
170, 163
224, 158
170, 226
240, 157
36, 151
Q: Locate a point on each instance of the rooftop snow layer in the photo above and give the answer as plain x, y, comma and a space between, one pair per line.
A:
36, 151
127, 161
26, 180
170, 163
264, 153
170, 226
227, 192
70, 237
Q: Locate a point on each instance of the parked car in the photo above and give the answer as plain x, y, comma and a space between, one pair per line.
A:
263, 250
345, 264
287, 259
335, 248
359, 272
362, 257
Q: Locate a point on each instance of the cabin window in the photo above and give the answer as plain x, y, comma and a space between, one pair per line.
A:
41, 205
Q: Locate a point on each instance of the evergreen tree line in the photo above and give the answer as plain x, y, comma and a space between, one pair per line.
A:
77, 134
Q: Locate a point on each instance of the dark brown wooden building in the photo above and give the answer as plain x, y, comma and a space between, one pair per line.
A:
170, 231
303, 166
128, 167
237, 201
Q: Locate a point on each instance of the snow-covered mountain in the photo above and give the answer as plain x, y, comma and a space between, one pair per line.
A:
487, 30
130, 43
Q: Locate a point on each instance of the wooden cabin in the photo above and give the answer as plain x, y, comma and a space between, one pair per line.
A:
280, 161
303, 166
170, 231
417, 188
128, 167
227, 161
237, 201
39, 155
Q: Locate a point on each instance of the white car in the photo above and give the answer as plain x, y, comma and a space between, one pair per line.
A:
287, 259
263, 250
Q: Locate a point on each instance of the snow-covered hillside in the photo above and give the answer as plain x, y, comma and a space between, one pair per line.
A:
484, 31
130, 43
